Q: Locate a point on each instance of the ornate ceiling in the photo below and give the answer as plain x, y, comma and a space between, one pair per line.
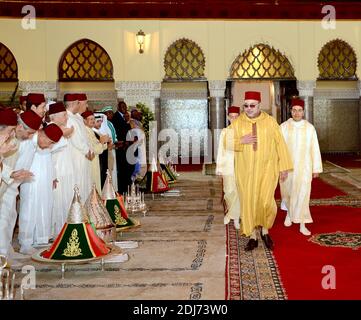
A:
183, 9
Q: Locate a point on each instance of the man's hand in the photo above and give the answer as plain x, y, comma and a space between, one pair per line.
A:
21, 175
104, 139
119, 144
89, 156
67, 132
249, 139
283, 176
55, 183
315, 175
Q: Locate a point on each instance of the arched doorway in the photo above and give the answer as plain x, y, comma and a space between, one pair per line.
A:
85, 66
265, 69
336, 105
184, 100
8, 76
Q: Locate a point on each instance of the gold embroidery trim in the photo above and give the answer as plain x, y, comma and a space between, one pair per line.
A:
119, 220
72, 247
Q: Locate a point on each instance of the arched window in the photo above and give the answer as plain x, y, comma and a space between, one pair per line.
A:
337, 61
261, 62
85, 60
184, 60
8, 65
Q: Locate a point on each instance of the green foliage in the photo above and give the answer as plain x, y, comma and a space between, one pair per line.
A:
147, 116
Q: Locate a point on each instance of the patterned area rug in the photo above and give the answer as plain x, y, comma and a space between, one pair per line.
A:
250, 275
338, 239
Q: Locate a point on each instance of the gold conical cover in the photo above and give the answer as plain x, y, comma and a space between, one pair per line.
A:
108, 192
77, 212
97, 212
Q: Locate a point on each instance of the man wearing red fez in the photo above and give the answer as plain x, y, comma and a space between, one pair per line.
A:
261, 158
302, 142
64, 168
225, 168
79, 145
83, 102
21, 160
37, 103
36, 195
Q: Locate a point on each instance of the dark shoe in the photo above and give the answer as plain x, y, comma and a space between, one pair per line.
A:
267, 241
251, 245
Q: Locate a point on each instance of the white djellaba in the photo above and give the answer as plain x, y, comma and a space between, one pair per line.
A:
301, 139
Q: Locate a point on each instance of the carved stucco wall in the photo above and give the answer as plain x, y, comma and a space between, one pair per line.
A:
336, 119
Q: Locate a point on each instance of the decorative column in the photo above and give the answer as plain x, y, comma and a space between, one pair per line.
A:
359, 113
306, 92
155, 95
217, 111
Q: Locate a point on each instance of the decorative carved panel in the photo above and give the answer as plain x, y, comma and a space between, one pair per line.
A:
184, 60
337, 124
85, 60
261, 62
8, 65
337, 61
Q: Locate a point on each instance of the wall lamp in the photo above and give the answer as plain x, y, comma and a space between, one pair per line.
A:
140, 39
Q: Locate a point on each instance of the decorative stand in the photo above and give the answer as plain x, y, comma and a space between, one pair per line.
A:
6, 280
114, 250
134, 200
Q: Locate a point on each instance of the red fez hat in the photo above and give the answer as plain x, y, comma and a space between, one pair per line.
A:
298, 102
233, 109
22, 99
31, 119
56, 108
87, 113
82, 97
252, 95
69, 97
35, 98
8, 117
53, 132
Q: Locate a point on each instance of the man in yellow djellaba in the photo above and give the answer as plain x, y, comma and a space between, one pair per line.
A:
261, 158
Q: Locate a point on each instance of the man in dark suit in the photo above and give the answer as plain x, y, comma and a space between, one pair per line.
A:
124, 168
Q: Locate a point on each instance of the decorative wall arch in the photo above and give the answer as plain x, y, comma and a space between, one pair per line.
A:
8, 65
85, 60
184, 60
261, 62
337, 61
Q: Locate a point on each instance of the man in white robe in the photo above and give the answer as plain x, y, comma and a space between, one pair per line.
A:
36, 195
8, 123
28, 123
79, 144
301, 139
225, 168
64, 171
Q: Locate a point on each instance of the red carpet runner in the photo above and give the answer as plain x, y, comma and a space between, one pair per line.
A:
320, 190
301, 261
346, 161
